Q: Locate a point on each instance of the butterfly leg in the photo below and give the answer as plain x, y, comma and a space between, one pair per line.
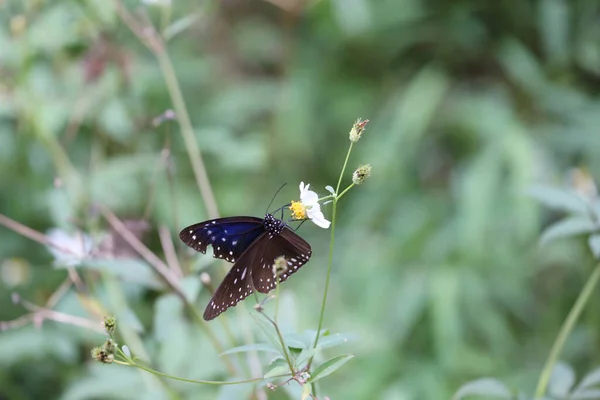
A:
298, 227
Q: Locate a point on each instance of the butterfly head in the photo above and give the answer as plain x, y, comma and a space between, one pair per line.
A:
273, 225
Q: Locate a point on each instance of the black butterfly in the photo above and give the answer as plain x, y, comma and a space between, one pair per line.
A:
252, 244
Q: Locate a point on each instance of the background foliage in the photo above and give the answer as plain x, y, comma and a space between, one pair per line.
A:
438, 271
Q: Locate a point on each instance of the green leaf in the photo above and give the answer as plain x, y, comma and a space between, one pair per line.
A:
483, 387
334, 340
306, 391
567, 227
561, 380
590, 394
559, 199
594, 243
329, 367
305, 355
268, 331
179, 26
252, 347
278, 367
590, 380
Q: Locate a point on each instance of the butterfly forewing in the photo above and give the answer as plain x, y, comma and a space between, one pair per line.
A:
288, 244
237, 284
229, 237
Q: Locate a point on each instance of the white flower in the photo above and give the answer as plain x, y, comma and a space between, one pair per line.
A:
309, 207
72, 249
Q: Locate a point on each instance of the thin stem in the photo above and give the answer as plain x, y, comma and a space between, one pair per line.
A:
276, 298
327, 278
187, 131
345, 190
565, 331
149, 37
218, 383
337, 188
281, 342
331, 246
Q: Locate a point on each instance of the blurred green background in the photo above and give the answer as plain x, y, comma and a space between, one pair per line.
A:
438, 273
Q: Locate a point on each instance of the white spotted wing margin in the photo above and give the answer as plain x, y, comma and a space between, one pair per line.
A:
292, 247
254, 270
229, 237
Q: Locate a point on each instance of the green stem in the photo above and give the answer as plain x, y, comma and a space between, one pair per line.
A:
282, 343
565, 331
187, 132
157, 373
337, 188
279, 335
331, 245
345, 190
327, 278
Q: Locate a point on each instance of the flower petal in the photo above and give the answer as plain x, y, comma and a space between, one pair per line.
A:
330, 189
309, 198
317, 217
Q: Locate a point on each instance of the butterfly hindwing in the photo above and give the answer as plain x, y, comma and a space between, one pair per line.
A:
288, 244
237, 284
229, 237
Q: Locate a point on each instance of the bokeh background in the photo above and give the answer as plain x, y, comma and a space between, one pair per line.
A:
438, 272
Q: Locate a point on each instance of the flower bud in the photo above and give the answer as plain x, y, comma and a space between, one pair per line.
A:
280, 266
361, 173
357, 129
205, 278
102, 356
110, 323
110, 346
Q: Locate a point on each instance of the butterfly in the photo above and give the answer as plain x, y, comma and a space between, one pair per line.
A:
252, 244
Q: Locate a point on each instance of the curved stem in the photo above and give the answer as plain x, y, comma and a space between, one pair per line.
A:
565, 331
218, 383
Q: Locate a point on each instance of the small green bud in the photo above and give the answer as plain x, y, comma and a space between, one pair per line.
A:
280, 266
110, 323
100, 355
110, 347
205, 278
357, 129
361, 173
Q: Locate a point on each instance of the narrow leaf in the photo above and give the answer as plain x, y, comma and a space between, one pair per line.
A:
304, 356
334, 340
594, 243
278, 367
268, 332
561, 380
559, 199
483, 387
252, 347
586, 394
329, 367
570, 226
591, 379
306, 391
180, 25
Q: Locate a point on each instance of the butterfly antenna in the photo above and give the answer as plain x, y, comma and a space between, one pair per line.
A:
273, 199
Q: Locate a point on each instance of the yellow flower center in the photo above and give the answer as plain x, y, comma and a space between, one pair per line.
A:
298, 210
